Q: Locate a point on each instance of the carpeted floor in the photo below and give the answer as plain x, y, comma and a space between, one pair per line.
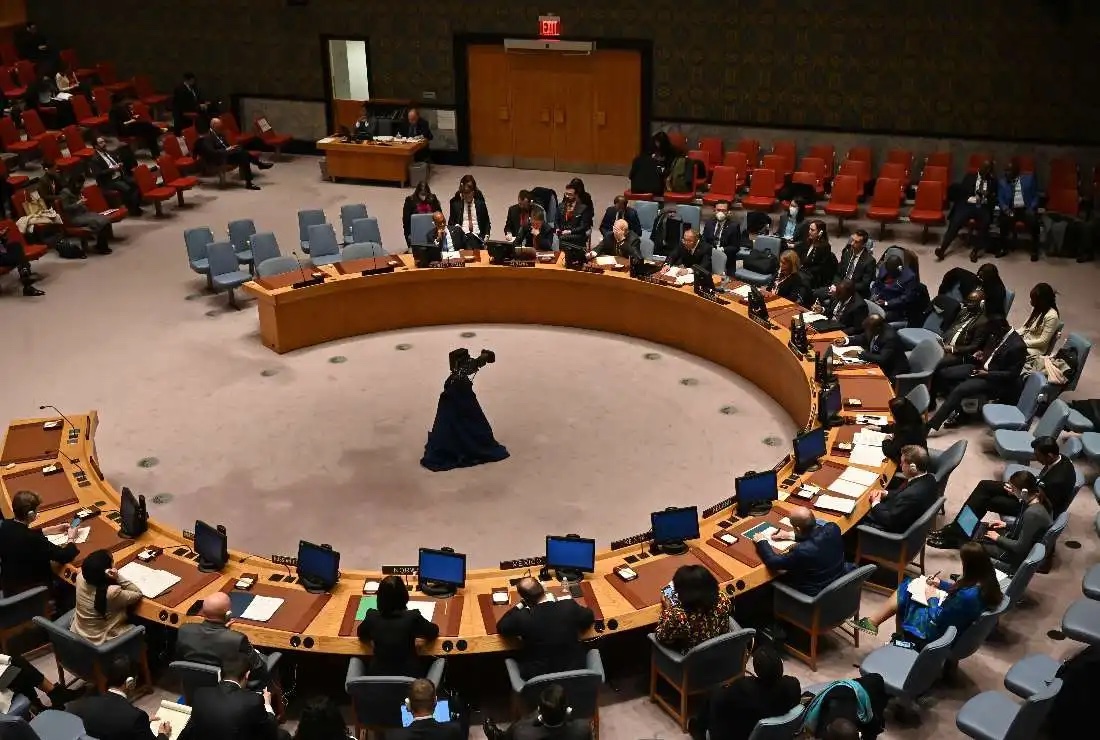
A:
599, 435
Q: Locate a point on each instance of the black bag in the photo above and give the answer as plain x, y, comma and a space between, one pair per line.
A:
667, 233
761, 261
1089, 408
70, 249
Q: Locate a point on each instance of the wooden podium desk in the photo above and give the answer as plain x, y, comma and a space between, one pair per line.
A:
388, 162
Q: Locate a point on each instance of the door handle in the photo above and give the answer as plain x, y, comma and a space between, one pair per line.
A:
503, 113
559, 115
601, 118
544, 117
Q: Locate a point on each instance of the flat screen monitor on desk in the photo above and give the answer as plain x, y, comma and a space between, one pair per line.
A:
809, 447
829, 404
212, 547
318, 567
571, 557
756, 492
500, 251
426, 254
673, 526
441, 572
133, 519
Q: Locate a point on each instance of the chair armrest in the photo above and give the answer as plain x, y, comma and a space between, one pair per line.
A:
357, 668
135, 633
65, 621
594, 662
673, 655
515, 678
793, 594
880, 534
19, 598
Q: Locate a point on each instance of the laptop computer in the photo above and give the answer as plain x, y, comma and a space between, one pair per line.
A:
971, 525
425, 254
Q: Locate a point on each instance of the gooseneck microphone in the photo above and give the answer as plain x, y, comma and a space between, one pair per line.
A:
67, 419
301, 268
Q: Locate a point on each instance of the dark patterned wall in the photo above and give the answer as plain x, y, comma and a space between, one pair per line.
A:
969, 68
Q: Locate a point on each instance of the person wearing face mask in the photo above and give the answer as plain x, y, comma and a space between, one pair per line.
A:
815, 560
974, 199
576, 218
450, 238
881, 346
621, 210
621, 241
519, 214
27, 557
421, 200
896, 510
471, 216
793, 225
818, 261
722, 232
895, 288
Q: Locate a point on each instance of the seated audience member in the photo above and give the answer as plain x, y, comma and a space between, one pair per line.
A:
620, 210
1057, 477
694, 612
363, 129
518, 214
896, 510
895, 288
975, 591
392, 630
71, 203
127, 125
844, 310
536, 234
32, 44
1039, 329
421, 200
583, 196
451, 238
421, 703
856, 264
575, 217
1010, 545
321, 720
229, 710
668, 231
549, 629
66, 81
692, 253
42, 95
788, 282
103, 598
414, 126
471, 215
731, 712
551, 721
881, 346
30, 681
722, 232
213, 642
189, 104
12, 254
848, 709
815, 560
906, 429
26, 556
987, 279
816, 255
110, 715
993, 374
620, 242
968, 333
218, 148
793, 226
1018, 200
972, 200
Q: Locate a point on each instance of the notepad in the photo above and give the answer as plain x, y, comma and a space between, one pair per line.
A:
61, 540
1003, 580
262, 608
607, 260
859, 476
150, 581
835, 503
781, 545
174, 714
426, 608
916, 591
453, 255
366, 603
847, 488
869, 455
875, 419
807, 491
847, 352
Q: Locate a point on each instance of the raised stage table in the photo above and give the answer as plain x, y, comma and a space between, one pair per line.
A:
349, 305
387, 162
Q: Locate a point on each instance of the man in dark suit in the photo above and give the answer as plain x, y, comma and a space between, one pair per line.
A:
896, 509
26, 556
576, 219
816, 255
189, 103
110, 174
212, 642
536, 234
967, 334
844, 310
111, 716
881, 346
551, 720
451, 238
218, 148
229, 711
722, 232
691, 253
973, 199
471, 215
620, 210
994, 374
519, 214
414, 126
896, 288
550, 630
421, 705
856, 264
815, 561
620, 242
1018, 199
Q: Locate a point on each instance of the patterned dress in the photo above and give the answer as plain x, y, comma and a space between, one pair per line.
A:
682, 630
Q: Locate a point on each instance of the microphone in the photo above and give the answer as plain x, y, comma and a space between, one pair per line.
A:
67, 419
301, 269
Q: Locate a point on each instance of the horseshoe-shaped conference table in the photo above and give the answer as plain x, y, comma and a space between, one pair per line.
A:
348, 303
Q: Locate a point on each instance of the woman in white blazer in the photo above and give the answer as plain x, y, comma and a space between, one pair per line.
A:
1038, 331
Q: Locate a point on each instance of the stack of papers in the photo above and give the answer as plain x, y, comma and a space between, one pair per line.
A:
848, 355
869, 437
838, 504
174, 714
808, 490
868, 455
61, 540
847, 488
150, 581
452, 255
742, 291
916, 591
810, 317
865, 478
262, 608
607, 260
426, 608
769, 533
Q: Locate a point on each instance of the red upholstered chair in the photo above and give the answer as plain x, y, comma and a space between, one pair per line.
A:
939, 159
679, 141
31, 251
927, 210
671, 196
53, 157
807, 178
937, 173
95, 200
704, 157
270, 137
860, 154
1065, 201
816, 166
1025, 162
723, 186
858, 168
715, 147
74, 142
844, 200
143, 87
85, 116
776, 164
761, 195
14, 181
751, 148
739, 161
171, 146
975, 160
904, 157
827, 154
896, 171
101, 96
25, 72
150, 191
789, 152
10, 87
631, 195
70, 61
9, 55
1063, 174
9, 137
108, 77
32, 124
884, 206
172, 178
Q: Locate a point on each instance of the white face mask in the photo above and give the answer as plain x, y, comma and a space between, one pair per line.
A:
793, 211
720, 215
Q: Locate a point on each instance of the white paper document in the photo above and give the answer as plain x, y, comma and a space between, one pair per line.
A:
781, 545
174, 714
452, 255
262, 608
150, 581
875, 419
426, 608
61, 540
809, 317
916, 591
606, 260
859, 476
742, 291
835, 503
846, 352
869, 455
869, 437
847, 488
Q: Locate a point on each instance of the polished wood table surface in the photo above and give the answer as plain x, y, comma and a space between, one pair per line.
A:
388, 162
546, 294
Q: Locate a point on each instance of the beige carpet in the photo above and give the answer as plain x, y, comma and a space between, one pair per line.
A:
599, 435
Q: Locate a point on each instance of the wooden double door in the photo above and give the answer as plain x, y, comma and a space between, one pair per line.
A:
548, 110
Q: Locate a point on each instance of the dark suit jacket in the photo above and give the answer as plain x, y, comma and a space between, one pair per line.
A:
212, 643
575, 230
631, 248
551, 635
730, 240
429, 729
1006, 364
966, 188
1006, 192
458, 214
420, 128
394, 639
898, 294
848, 318
529, 728
972, 338
793, 288
799, 229
699, 258
458, 237
362, 128
544, 242
885, 350
818, 262
512, 223
1059, 483
734, 710
863, 272
186, 101
903, 436
409, 209
26, 557
109, 716
228, 712
899, 509
101, 171
611, 215
813, 563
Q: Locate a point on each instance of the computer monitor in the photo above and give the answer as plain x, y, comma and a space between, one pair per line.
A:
576, 255
425, 254
755, 493
441, 572
672, 526
571, 557
829, 404
500, 251
318, 567
809, 447
212, 547
133, 519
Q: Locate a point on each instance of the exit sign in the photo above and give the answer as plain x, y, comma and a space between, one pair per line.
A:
549, 26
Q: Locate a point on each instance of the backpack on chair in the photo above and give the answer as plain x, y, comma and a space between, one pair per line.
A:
680, 175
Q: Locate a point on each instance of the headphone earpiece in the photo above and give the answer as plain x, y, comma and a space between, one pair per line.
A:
130, 684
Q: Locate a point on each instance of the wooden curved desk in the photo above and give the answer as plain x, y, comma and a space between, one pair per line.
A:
345, 306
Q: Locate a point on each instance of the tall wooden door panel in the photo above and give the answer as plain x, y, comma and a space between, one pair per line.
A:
534, 102
618, 93
489, 91
574, 122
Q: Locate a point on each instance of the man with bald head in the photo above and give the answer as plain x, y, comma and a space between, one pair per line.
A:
814, 561
692, 253
620, 242
549, 627
217, 148
213, 642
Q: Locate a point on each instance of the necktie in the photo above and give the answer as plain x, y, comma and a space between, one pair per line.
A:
718, 233
470, 215
110, 160
851, 267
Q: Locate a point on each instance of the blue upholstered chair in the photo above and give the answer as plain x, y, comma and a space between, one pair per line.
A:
362, 250
908, 674
1015, 445
323, 247
240, 236
306, 218
278, 266
823, 612
349, 213
994, 715
196, 240
225, 272
420, 225
377, 699
264, 247
365, 230
1018, 417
